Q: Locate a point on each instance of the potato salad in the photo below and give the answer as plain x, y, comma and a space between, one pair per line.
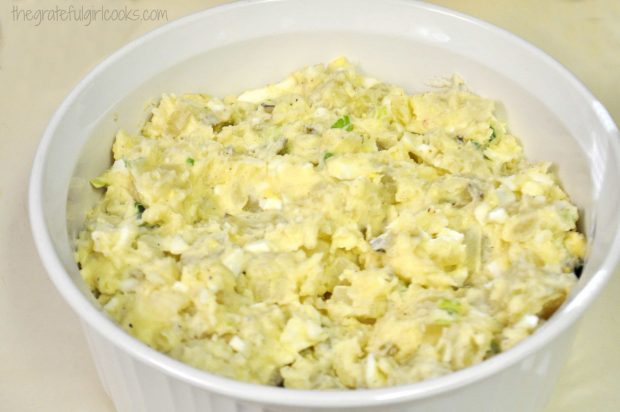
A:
329, 231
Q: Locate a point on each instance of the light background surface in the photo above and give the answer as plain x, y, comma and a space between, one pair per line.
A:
44, 361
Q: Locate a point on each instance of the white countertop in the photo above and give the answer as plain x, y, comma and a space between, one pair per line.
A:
44, 361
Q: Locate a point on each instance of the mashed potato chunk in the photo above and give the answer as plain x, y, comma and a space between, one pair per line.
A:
329, 231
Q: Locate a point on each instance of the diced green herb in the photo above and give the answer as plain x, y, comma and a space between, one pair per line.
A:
451, 306
139, 209
493, 134
98, 183
190, 161
343, 123
476, 145
327, 155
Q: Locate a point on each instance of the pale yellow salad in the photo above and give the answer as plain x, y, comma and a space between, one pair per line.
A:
329, 231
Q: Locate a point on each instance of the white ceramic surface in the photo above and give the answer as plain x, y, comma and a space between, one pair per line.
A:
246, 44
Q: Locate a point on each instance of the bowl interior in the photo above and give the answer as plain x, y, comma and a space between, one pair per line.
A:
231, 49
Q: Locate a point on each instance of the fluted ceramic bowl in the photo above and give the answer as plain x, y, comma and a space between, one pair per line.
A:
247, 44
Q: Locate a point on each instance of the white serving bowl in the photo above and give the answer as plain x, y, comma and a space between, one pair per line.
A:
247, 44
